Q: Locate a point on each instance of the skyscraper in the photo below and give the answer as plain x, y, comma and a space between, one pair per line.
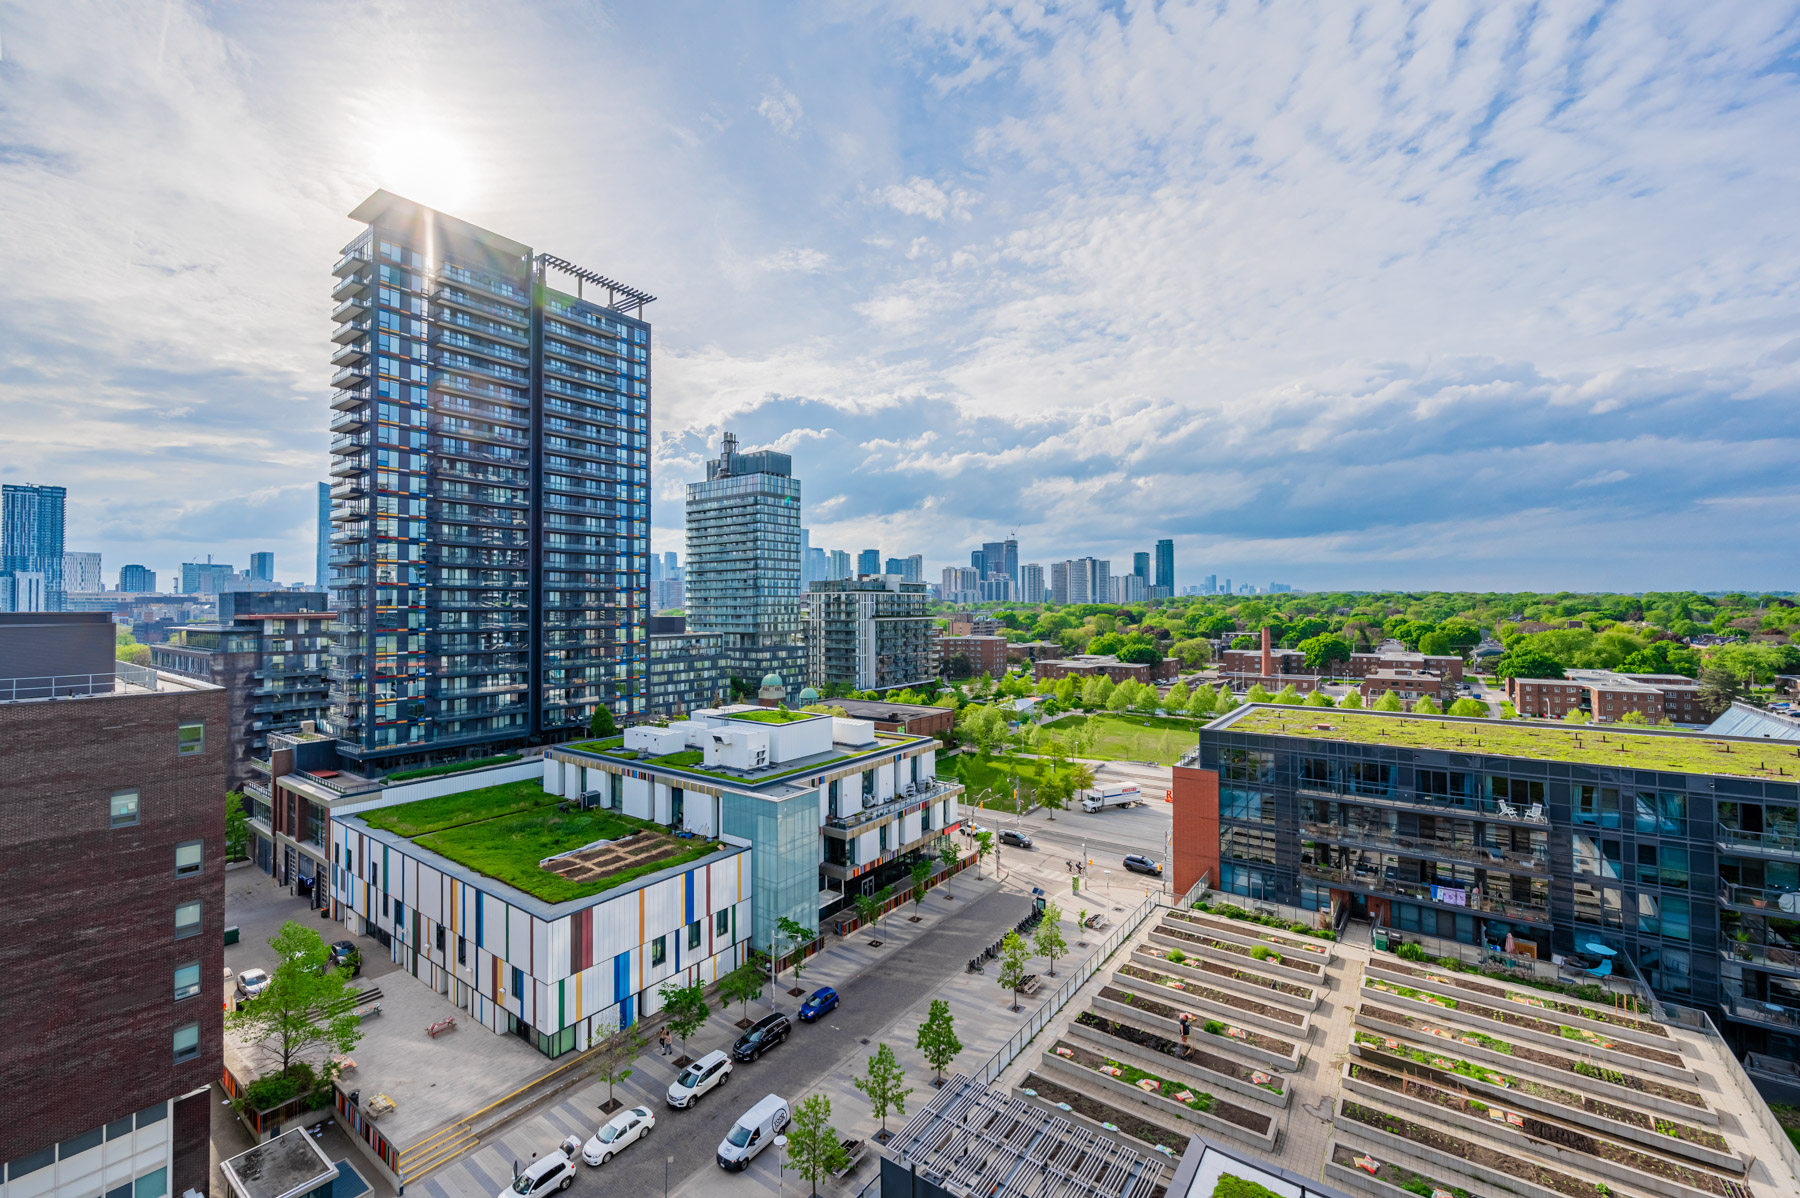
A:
205, 578
1031, 583
743, 562
868, 561
978, 561
993, 558
1009, 558
137, 579
895, 566
492, 506
912, 569
322, 553
1140, 566
31, 536
1165, 569
840, 564
262, 567
1059, 582
1089, 581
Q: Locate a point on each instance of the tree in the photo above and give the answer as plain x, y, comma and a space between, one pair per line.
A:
237, 826
1122, 696
1195, 651
1200, 706
793, 933
1388, 701
1324, 651
1634, 717
937, 1038
882, 1086
685, 1009
868, 906
744, 984
814, 1148
1351, 701
306, 1006
1473, 708
984, 848
1256, 694
1427, 706
1319, 699
1014, 953
921, 874
1527, 662
1049, 941
1224, 701
601, 725
1719, 688
1288, 696
619, 1051
1146, 701
1176, 701
1575, 716
948, 857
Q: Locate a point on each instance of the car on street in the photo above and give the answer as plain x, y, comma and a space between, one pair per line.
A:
554, 1172
1008, 836
754, 1131
763, 1035
817, 1003
707, 1073
345, 951
973, 829
618, 1133
251, 983
1137, 863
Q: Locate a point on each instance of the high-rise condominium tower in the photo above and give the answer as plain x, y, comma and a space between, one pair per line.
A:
743, 562
322, 560
1165, 568
868, 561
1140, 566
491, 512
1031, 583
262, 567
31, 537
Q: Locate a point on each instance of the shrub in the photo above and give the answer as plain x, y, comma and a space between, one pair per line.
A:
1214, 1027
1261, 953
1410, 952
1175, 956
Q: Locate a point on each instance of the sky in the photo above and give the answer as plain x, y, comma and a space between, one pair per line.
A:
1420, 295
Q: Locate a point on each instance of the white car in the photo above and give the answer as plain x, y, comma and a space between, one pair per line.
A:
626, 1127
707, 1073
252, 982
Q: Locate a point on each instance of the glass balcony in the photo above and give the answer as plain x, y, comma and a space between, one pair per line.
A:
476, 345
352, 421
480, 368
453, 297
1538, 860
354, 463
1369, 879
355, 351
356, 257
449, 272
1768, 1014
1755, 898
350, 488
463, 320
350, 376
350, 398
442, 380
1762, 956
350, 443
350, 285
350, 330
1783, 842
350, 309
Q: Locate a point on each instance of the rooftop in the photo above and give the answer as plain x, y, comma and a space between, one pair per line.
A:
286, 1165
875, 709
688, 761
775, 715
1675, 752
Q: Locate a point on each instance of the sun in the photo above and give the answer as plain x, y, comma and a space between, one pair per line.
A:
425, 162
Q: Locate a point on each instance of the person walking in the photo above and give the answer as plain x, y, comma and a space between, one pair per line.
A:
668, 1046
1185, 1020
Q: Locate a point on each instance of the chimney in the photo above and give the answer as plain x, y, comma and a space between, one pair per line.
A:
1268, 662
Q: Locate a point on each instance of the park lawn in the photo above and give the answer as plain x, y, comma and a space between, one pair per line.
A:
450, 811
978, 774
1159, 738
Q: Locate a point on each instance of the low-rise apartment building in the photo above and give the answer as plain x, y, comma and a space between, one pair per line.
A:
1409, 686
1084, 665
1605, 696
967, 656
1252, 662
917, 719
1361, 665
968, 624
873, 632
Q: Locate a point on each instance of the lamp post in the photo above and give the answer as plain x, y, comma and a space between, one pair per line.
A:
667, 1161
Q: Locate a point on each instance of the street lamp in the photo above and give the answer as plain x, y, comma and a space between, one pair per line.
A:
781, 1143
667, 1161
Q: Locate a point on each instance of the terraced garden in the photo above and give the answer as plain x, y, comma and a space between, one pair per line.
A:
1527, 1022
1221, 998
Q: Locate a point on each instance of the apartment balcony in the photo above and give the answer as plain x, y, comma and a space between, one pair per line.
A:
350, 443
928, 790
351, 376
352, 330
1369, 881
1765, 1014
350, 555
479, 368
482, 284
351, 398
461, 384
1781, 843
455, 298
1468, 806
354, 283
1760, 901
484, 328
452, 339
354, 488
564, 346
353, 463
1772, 958
1477, 854
355, 351
351, 421
508, 416
350, 309
354, 259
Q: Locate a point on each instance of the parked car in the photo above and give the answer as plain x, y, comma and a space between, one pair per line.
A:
972, 830
1137, 863
707, 1073
763, 1035
345, 953
251, 983
554, 1172
1008, 836
618, 1133
817, 1003
754, 1131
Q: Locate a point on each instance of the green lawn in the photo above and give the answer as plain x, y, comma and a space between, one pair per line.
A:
775, 715
978, 774
1162, 739
1683, 752
450, 811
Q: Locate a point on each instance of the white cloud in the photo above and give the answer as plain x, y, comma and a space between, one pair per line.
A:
781, 108
805, 260
919, 196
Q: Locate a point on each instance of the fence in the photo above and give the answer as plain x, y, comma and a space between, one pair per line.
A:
1753, 1102
843, 925
1052, 1006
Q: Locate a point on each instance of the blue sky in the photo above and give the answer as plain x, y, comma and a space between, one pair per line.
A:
1423, 295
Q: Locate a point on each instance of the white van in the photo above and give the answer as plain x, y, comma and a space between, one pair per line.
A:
754, 1131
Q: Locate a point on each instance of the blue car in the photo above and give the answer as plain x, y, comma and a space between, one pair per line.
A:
822, 1000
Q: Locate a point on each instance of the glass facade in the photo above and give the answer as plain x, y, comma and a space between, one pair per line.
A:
786, 861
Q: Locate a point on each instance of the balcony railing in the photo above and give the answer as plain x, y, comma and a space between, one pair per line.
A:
452, 273
1767, 956
1779, 841
1758, 898
349, 376
925, 791
1478, 854
1471, 805
1372, 881
1770, 1014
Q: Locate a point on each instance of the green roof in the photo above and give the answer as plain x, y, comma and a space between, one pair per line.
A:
775, 715
1588, 744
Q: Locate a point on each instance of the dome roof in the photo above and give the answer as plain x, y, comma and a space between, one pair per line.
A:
773, 679
809, 695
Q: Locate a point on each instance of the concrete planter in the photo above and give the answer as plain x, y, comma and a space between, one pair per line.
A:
1197, 1033
1315, 980
1242, 932
1453, 990
1402, 1147
1081, 1120
1164, 1109
1173, 1067
1572, 1160
1704, 1116
1300, 1032
1579, 1049
1356, 1179
1274, 998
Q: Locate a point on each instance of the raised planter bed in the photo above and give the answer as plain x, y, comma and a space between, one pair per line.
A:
1447, 1068
1204, 1109
1390, 1179
1245, 978
1252, 933
1552, 1139
1310, 973
1258, 1046
1651, 1093
1210, 1001
1102, 1116
1433, 1147
1529, 1027
1210, 1069
1618, 1026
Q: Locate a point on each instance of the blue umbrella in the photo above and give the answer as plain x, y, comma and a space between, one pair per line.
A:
1592, 947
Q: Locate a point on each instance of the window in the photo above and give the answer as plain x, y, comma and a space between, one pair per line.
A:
187, 858
151, 1185
722, 923
1599, 905
1665, 915
76, 1145
659, 950
190, 739
118, 1128
1597, 858
1662, 865
124, 808
152, 1114
1597, 806
400, 918
518, 983
440, 938
187, 1042
187, 920
694, 930
462, 950
187, 980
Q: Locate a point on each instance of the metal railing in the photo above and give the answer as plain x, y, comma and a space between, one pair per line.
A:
1769, 955
1052, 1006
1756, 896
1479, 854
76, 686
1753, 1104
1781, 841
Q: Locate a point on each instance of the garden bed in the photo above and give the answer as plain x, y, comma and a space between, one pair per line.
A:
1433, 1145
1278, 1052
1205, 969
1252, 932
1623, 1085
1625, 1025
1236, 913
1151, 1135
1554, 1138
1290, 967
1343, 1158
1174, 988
1160, 1093
1199, 1063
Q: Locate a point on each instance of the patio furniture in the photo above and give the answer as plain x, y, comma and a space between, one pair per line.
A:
378, 1106
447, 1023
1604, 971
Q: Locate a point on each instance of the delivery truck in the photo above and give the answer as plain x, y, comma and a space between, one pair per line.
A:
1102, 797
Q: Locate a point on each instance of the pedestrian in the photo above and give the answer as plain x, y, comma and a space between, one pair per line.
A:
1185, 1020
662, 1038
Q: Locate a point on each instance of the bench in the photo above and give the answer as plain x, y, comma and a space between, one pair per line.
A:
855, 1150
366, 1010
1095, 922
446, 1024
1030, 984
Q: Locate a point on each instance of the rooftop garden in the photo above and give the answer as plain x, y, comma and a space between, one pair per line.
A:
455, 767
503, 832
1674, 752
774, 715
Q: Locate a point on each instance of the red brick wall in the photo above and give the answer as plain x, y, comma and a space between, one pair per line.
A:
1195, 831
88, 946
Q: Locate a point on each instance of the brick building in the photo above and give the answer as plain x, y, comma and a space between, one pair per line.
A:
985, 654
1270, 668
112, 844
1086, 664
1033, 651
1408, 685
965, 624
1361, 665
917, 719
1607, 696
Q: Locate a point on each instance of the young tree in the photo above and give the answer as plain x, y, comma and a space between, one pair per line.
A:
307, 1005
1202, 704
1224, 700
984, 848
921, 874
868, 906
814, 1148
1288, 696
948, 857
792, 933
937, 1038
1090, 692
1472, 708
1719, 687
619, 1051
1575, 716
1352, 701
1053, 792
1146, 701
237, 826
1122, 696
1427, 706
601, 724
1388, 701
882, 1086
686, 1010
1319, 699
744, 984
1049, 941
1256, 694
1014, 953
1178, 698
1636, 718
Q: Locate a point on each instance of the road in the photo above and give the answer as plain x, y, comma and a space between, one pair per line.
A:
869, 1002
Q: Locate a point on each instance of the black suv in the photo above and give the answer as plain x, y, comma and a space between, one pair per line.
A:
763, 1035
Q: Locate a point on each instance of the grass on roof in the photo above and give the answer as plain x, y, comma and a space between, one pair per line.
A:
1589, 744
774, 715
449, 811
456, 767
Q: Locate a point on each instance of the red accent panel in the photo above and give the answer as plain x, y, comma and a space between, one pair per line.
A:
1196, 826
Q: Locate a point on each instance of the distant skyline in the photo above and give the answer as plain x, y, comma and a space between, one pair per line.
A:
1423, 296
